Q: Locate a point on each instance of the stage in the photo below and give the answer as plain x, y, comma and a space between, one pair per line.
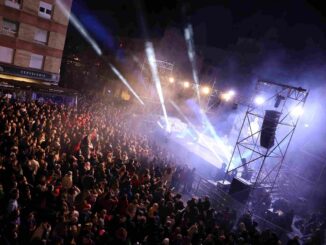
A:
213, 150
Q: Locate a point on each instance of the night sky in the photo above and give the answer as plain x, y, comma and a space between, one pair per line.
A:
292, 23
241, 40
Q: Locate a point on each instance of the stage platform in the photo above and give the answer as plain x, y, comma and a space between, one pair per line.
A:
202, 150
211, 153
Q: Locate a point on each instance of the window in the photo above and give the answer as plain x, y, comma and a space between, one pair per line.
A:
45, 10
13, 3
9, 27
6, 54
41, 36
36, 61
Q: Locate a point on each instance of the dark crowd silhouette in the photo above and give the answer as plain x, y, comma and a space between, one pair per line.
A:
86, 176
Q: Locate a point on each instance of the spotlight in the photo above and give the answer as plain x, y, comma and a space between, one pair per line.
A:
228, 96
171, 79
259, 100
206, 90
306, 125
186, 84
231, 93
297, 111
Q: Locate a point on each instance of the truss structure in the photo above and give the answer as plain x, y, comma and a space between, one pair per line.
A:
148, 93
212, 101
261, 166
164, 68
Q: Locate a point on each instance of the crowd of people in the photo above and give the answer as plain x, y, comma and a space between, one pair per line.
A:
86, 176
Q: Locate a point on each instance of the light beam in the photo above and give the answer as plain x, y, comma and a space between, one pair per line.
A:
188, 33
125, 82
151, 60
75, 22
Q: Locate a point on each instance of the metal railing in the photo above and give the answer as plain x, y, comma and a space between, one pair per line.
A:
13, 4
8, 32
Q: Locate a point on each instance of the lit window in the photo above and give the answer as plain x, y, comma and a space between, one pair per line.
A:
9, 27
6, 54
13, 3
45, 10
41, 36
36, 61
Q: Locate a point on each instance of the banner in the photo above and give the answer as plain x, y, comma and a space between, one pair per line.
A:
17, 71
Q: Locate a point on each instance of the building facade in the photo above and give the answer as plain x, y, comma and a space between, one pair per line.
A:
32, 38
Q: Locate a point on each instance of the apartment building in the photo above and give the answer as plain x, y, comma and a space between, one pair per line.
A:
32, 38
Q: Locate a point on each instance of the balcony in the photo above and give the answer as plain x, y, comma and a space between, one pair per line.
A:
40, 42
12, 4
8, 32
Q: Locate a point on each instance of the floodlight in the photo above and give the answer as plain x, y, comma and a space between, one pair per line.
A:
228, 96
205, 90
186, 84
259, 100
231, 93
296, 111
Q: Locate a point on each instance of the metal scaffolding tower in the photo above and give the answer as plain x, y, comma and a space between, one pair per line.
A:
261, 166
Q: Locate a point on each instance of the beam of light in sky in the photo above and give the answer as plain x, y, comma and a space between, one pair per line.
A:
76, 23
188, 33
125, 82
151, 60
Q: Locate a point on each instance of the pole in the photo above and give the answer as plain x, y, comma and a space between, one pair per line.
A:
227, 170
76, 102
260, 169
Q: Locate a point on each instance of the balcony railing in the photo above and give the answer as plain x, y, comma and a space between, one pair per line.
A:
40, 42
12, 4
8, 32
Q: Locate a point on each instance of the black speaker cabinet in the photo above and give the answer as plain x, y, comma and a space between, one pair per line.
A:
268, 129
240, 189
